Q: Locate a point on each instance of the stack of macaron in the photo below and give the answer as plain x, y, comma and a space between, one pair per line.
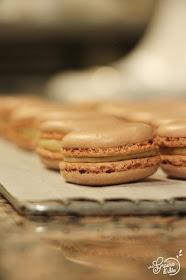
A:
105, 156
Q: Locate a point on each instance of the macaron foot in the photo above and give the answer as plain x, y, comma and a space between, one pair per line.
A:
114, 178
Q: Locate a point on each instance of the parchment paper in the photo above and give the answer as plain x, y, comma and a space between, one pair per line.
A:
25, 179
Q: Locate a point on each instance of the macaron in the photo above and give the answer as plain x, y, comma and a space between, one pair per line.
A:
25, 124
52, 132
70, 114
171, 139
118, 110
110, 155
10, 104
7, 105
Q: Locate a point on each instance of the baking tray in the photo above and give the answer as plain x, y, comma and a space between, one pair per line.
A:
34, 190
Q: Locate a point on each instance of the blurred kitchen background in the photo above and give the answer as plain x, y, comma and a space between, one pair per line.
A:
39, 39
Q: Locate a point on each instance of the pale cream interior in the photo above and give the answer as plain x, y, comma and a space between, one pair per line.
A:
50, 144
114, 158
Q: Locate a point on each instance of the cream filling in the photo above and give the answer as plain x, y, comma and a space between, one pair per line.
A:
173, 151
50, 144
114, 158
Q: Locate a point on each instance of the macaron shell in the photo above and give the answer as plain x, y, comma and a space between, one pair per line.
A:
174, 165
49, 154
171, 141
50, 163
49, 158
110, 166
102, 179
66, 126
114, 151
70, 115
172, 129
114, 136
174, 171
109, 172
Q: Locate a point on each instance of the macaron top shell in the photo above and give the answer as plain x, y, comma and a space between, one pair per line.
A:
66, 126
70, 115
113, 136
117, 110
141, 116
173, 129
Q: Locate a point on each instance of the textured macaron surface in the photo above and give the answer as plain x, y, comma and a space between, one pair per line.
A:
176, 160
109, 152
114, 136
171, 141
109, 167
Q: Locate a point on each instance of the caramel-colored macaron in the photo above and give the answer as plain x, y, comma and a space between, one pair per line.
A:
114, 109
25, 124
171, 139
11, 104
142, 116
70, 114
113, 155
52, 132
7, 105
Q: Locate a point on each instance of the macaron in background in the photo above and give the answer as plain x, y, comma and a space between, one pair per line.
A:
11, 103
67, 113
25, 123
115, 109
52, 132
7, 105
171, 139
113, 155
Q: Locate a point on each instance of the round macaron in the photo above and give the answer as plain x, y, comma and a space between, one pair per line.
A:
171, 139
70, 114
114, 109
111, 155
25, 124
10, 105
52, 132
7, 105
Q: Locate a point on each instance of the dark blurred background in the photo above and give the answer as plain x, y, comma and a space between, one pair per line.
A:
40, 38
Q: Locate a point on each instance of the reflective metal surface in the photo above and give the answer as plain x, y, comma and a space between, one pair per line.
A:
88, 248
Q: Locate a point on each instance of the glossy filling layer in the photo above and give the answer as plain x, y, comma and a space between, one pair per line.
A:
111, 159
50, 144
173, 151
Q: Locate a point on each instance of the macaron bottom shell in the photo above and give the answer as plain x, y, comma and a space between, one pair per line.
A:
174, 166
101, 174
174, 171
50, 163
103, 179
50, 159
